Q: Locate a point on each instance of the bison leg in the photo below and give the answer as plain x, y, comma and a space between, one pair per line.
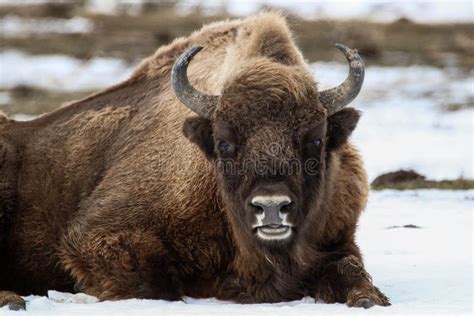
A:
121, 265
346, 281
14, 301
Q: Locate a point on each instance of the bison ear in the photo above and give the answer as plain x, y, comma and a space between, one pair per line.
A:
340, 127
198, 130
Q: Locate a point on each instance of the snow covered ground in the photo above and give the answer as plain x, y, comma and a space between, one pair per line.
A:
424, 271
60, 72
15, 26
405, 123
424, 11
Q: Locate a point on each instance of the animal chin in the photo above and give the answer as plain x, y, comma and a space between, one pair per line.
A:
271, 232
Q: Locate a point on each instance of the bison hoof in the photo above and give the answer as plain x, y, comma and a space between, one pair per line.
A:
364, 302
77, 287
17, 306
12, 300
367, 298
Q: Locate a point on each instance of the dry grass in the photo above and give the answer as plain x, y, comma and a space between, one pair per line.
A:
411, 180
32, 101
458, 184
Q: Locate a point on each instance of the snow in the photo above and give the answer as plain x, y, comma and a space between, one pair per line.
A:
403, 123
60, 72
23, 2
22, 117
4, 98
424, 271
115, 6
15, 26
427, 270
424, 11
79, 298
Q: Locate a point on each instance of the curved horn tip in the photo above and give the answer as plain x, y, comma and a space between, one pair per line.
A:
342, 48
188, 55
351, 54
194, 50
337, 98
181, 64
198, 102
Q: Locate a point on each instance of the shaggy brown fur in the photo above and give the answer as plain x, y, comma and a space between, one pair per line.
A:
108, 194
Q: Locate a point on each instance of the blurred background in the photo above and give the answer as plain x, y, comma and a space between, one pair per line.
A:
418, 100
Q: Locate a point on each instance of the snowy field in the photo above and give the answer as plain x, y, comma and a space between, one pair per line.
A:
14, 26
423, 11
424, 271
60, 72
404, 120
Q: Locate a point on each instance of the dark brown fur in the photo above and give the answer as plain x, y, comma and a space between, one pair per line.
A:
108, 193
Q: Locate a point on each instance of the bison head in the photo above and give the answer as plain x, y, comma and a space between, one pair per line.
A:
271, 136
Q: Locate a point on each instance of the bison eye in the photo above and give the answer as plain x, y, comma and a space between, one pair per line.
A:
225, 147
317, 142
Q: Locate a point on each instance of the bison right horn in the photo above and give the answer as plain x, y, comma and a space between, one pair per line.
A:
337, 98
200, 103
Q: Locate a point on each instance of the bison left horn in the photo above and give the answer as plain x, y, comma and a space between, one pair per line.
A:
337, 98
200, 103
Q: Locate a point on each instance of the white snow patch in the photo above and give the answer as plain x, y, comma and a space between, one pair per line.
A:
22, 117
15, 26
403, 124
60, 72
424, 271
4, 98
23, 2
116, 6
79, 298
424, 11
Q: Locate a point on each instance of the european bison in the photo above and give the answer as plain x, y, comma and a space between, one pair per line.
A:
129, 194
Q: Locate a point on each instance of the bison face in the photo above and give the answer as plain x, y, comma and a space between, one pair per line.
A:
270, 135
270, 170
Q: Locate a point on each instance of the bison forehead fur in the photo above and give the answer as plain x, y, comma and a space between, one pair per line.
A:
266, 92
118, 195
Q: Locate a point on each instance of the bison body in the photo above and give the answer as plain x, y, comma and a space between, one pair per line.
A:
123, 194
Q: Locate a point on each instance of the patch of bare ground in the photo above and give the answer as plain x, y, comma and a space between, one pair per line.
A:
404, 226
32, 101
411, 180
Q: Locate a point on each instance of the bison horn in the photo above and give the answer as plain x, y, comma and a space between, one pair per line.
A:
200, 103
337, 98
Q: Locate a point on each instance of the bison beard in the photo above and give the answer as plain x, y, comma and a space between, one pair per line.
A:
127, 193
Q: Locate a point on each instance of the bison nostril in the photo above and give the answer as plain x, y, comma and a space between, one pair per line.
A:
286, 208
257, 209
276, 202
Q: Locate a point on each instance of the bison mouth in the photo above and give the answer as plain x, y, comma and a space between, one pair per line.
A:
274, 232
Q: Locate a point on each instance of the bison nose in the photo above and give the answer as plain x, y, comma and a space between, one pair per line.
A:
271, 206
